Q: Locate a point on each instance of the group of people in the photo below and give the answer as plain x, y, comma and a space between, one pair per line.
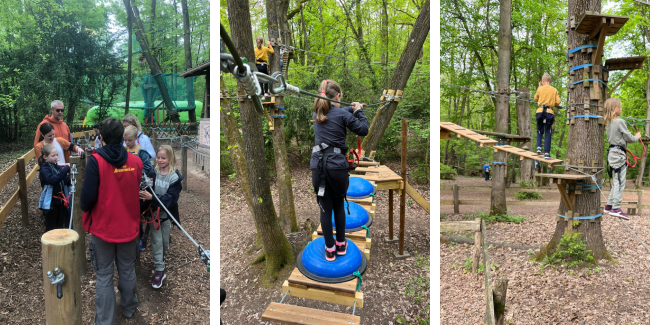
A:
618, 136
115, 206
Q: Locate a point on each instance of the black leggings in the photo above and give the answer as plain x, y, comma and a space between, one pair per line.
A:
332, 200
57, 218
264, 69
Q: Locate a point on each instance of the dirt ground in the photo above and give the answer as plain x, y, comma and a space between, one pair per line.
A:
611, 293
183, 299
384, 283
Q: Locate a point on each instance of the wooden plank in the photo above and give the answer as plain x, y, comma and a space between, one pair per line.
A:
357, 236
8, 174
525, 154
392, 185
421, 201
296, 315
489, 298
32, 175
517, 189
565, 197
368, 163
590, 19
463, 132
298, 278
460, 226
28, 156
9, 205
572, 177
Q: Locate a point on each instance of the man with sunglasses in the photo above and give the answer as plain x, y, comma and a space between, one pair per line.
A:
61, 129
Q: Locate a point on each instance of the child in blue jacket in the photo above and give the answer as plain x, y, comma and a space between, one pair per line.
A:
55, 182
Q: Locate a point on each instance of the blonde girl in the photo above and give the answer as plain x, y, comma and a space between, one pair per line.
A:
142, 139
167, 187
618, 137
55, 183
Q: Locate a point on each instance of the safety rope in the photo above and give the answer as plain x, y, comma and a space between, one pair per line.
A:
358, 275
580, 218
367, 231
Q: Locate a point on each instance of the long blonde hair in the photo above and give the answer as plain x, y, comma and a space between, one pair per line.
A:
259, 40
170, 154
329, 89
609, 113
133, 120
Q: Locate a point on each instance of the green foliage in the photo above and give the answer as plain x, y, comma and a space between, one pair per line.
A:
467, 265
485, 215
421, 175
527, 184
571, 251
528, 196
225, 163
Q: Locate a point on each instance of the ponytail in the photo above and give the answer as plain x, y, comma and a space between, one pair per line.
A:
259, 40
329, 89
45, 151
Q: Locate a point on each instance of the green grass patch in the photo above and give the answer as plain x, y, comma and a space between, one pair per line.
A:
492, 219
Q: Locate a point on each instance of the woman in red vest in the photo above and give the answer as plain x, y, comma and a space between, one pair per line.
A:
111, 213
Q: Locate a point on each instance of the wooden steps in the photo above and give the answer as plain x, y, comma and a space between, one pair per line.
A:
357, 236
344, 293
446, 128
525, 154
296, 315
591, 23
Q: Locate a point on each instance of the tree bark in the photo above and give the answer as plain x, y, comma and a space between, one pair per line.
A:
400, 77
278, 251
129, 23
275, 10
498, 198
189, 82
306, 60
639, 178
585, 142
156, 71
524, 128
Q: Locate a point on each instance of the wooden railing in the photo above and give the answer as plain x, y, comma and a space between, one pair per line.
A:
636, 206
24, 181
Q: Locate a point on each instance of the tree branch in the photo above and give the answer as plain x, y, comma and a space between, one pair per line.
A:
297, 10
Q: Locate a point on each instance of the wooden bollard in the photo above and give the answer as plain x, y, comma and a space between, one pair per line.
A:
477, 248
402, 200
184, 162
59, 251
456, 200
499, 290
639, 194
391, 237
77, 214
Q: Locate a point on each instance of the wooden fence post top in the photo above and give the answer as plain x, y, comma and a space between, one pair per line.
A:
59, 237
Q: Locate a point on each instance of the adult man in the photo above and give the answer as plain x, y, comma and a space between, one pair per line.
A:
61, 129
111, 215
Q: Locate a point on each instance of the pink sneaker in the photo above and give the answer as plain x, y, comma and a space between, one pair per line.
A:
342, 249
618, 213
330, 254
608, 208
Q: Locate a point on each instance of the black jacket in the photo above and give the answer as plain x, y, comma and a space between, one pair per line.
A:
333, 132
114, 154
169, 199
48, 176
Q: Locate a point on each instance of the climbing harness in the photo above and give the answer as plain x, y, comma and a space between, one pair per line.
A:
154, 217
354, 162
627, 159
203, 254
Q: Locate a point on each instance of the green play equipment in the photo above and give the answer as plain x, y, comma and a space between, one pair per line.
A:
139, 109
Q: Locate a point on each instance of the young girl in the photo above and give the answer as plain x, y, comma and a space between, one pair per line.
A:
55, 183
329, 167
167, 186
618, 137
262, 61
141, 139
130, 139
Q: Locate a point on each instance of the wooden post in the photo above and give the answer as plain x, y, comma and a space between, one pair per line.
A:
456, 200
77, 214
390, 237
500, 286
58, 251
489, 298
22, 187
184, 162
639, 194
402, 200
477, 248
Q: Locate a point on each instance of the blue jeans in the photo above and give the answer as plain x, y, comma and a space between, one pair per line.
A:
487, 176
544, 130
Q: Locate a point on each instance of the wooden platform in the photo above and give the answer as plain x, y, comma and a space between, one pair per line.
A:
591, 22
296, 315
629, 63
383, 177
525, 154
564, 178
357, 236
344, 293
446, 128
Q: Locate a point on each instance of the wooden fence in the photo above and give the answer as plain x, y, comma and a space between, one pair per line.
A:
24, 181
634, 207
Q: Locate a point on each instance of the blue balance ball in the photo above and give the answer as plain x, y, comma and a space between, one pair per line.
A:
312, 264
359, 188
357, 217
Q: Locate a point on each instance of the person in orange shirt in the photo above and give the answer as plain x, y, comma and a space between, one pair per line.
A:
547, 98
262, 61
56, 119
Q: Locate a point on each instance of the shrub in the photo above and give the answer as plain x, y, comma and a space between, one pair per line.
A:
571, 251
528, 196
491, 219
421, 175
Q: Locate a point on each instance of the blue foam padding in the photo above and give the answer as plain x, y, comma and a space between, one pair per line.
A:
313, 259
359, 188
358, 216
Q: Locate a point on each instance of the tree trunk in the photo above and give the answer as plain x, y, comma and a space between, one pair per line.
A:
306, 60
580, 147
400, 77
524, 129
189, 82
384, 35
278, 251
498, 198
276, 12
639, 178
129, 64
156, 71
